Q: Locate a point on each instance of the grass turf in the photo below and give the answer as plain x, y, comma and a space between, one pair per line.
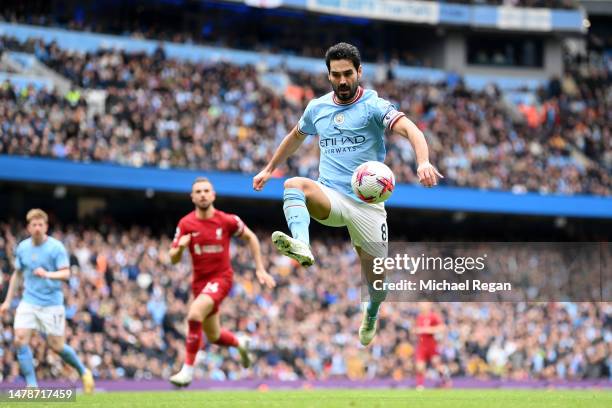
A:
344, 398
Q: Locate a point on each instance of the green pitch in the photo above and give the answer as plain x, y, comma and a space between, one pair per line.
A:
345, 398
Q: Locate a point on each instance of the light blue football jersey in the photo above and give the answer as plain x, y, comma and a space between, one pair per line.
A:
50, 255
349, 134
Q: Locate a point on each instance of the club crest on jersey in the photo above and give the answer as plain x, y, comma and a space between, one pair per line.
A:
219, 233
339, 119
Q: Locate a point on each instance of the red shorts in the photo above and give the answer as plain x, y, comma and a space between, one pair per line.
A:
425, 352
217, 286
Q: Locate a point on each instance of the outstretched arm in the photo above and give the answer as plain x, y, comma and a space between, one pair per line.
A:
288, 146
428, 175
260, 271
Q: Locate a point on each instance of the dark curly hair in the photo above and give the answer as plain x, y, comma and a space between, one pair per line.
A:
343, 51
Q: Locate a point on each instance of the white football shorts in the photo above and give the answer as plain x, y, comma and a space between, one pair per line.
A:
366, 223
46, 319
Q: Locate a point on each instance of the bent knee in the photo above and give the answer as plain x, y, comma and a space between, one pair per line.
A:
212, 335
21, 341
200, 308
57, 346
307, 186
295, 182
196, 316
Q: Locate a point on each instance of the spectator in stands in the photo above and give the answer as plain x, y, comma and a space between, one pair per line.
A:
131, 326
167, 113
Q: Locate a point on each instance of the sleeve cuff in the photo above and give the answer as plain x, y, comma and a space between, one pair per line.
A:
395, 119
239, 231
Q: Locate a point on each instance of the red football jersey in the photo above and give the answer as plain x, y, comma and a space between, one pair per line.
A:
428, 320
210, 241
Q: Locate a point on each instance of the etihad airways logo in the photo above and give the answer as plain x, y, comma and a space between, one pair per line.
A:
341, 144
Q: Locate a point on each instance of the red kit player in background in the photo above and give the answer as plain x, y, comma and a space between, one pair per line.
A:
207, 232
429, 325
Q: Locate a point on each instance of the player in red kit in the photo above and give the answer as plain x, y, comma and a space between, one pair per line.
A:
207, 232
428, 326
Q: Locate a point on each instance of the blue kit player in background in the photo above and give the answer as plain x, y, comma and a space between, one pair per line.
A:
43, 262
350, 122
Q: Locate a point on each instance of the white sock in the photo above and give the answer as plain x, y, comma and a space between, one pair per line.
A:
189, 369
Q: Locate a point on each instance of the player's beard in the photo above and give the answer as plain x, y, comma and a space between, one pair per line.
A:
203, 207
38, 236
350, 95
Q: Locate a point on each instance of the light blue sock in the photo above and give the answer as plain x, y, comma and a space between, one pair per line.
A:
26, 363
70, 356
376, 299
372, 308
296, 213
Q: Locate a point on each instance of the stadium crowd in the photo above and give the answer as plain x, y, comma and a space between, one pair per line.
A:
169, 113
257, 29
126, 308
563, 4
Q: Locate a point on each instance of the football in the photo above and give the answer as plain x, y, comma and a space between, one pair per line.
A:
373, 182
